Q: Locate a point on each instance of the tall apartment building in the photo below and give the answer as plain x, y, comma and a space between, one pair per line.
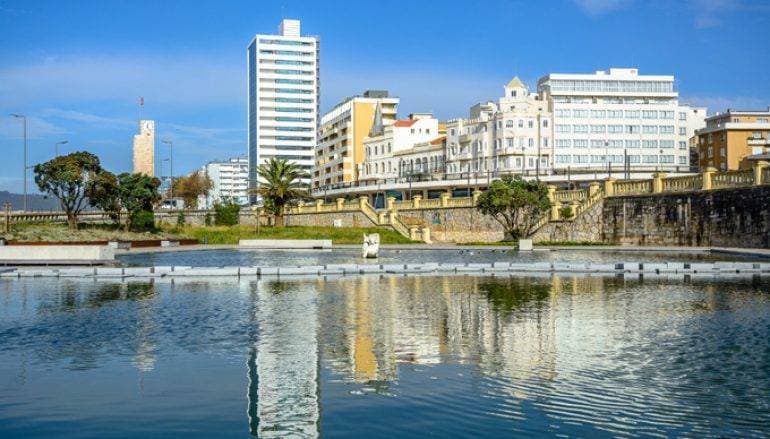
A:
229, 179
512, 136
731, 137
617, 117
144, 149
283, 90
340, 150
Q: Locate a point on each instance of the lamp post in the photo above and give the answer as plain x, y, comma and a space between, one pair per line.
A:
56, 146
171, 164
24, 120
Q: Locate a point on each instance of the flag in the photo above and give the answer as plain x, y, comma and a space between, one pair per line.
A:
141, 101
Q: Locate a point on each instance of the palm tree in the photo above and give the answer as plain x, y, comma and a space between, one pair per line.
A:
280, 186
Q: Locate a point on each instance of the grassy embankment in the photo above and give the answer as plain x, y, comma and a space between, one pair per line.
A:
210, 235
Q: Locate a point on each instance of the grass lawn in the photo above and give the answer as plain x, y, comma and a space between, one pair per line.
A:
42, 231
338, 235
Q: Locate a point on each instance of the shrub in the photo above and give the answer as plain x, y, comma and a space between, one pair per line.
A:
207, 219
566, 212
180, 219
226, 213
143, 221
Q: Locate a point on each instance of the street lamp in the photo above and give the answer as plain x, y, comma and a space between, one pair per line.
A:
24, 119
171, 164
56, 146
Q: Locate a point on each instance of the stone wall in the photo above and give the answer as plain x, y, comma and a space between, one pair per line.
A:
587, 226
347, 219
455, 224
738, 217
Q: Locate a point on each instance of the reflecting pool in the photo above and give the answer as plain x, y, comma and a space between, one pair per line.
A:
385, 356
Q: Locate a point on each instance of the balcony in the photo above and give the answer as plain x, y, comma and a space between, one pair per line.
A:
465, 138
758, 142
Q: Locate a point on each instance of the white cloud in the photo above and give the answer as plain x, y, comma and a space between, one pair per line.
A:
12, 128
601, 7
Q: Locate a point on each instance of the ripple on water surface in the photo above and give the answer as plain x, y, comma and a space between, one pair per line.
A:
385, 356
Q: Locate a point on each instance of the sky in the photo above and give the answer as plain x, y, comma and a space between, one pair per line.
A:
77, 68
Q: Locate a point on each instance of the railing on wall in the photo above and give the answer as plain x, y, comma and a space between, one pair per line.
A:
683, 184
732, 179
633, 187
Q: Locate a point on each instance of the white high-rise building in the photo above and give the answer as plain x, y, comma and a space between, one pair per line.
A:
283, 90
618, 119
229, 179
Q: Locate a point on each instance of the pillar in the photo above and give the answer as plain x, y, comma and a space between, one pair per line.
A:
363, 200
416, 201
476, 195
593, 188
552, 199
657, 182
574, 206
389, 203
413, 234
444, 197
340, 201
318, 205
759, 170
707, 174
426, 235
609, 187
299, 206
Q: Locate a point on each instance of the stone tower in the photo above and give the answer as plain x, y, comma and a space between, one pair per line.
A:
144, 148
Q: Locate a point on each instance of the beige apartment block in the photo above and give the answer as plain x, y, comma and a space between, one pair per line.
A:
730, 138
144, 148
339, 154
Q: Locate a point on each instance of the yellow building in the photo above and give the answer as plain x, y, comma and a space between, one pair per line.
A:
730, 138
341, 135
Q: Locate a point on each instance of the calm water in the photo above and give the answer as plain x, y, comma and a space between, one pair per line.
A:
384, 357
345, 256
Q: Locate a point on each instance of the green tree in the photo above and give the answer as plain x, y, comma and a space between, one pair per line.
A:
103, 193
280, 186
516, 204
65, 177
190, 187
138, 195
226, 212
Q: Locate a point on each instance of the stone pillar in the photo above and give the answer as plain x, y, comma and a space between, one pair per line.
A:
476, 195
426, 235
416, 201
609, 187
759, 168
392, 216
444, 197
340, 201
413, 234
707, 174
657, 182
318, 204
381, 218
363, 200
389, 203
574, 206
299, 206
593, 188
554, 205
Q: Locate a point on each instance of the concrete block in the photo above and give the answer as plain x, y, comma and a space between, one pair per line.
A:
56, 253
603, 268
525, 245
391, 267
77, 272
268, 271
632, 267
332, 271
206, 271
161, 270
446, 268
248, 271
38, 272
308, 270
109, 272
501, 265
540, 267
286, 243
370, 268
346, 268
655, 268
10, 273
138, 271
168, 243
703, 268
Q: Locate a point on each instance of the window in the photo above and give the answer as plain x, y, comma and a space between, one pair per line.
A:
615, 143
666, 114
666, 129
581, 159
452, 132
615, 114
650, 129
563, 128
682, 145
649, 114
682, 131
597, 143
521, 123
579, 128
667, 159
762, 120
632, 114
615, 129
597, 159
563, 143
580, 114
683, 160
649, 159
563, 113
649, 144
632, 144
682, 116
531, 142
598, 129
545, 142
632, 129
598, 114
581, 143
509, 142
530, 123
509, 124
545, 123
633, 159
666, 143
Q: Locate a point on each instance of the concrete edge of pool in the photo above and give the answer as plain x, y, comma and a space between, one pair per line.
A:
624, 268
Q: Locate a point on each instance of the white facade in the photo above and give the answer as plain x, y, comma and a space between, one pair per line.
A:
512, 136
617, 118
283, 89
381, 148
229, 179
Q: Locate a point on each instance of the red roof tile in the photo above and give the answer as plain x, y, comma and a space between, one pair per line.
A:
404, 123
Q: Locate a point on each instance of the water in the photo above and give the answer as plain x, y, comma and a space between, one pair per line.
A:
385, 356
219, 258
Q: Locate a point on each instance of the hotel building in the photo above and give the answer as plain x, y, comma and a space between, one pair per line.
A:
229, 179
730, 138
283, 89
618, 119
510, 136
340, 150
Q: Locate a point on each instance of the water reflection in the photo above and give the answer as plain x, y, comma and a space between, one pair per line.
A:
388, 356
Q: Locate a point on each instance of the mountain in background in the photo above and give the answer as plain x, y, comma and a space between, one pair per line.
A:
34, 201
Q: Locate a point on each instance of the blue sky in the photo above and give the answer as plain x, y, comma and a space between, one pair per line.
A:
77, 68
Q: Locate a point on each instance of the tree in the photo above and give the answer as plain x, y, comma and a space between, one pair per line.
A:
65, 177
103, 193
226, 212
516, 204
190, 187
138, 194
280, 186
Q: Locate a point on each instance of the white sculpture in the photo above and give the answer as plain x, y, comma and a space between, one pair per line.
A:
371, 245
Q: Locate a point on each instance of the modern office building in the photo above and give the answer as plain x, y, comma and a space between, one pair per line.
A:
283, 90
730, 138
511, 136
229, 179
144, 149
340, 150
385, 142
618, 119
